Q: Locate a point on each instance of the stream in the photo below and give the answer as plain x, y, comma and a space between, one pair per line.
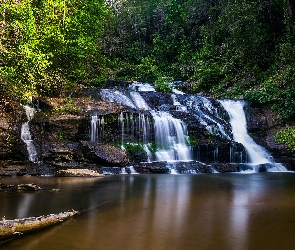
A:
203, 211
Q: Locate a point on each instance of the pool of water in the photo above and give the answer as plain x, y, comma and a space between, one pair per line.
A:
205, 211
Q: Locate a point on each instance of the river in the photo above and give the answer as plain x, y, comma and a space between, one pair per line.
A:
203, 211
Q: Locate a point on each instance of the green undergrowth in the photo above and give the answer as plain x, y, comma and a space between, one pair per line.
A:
67, 108
287, 137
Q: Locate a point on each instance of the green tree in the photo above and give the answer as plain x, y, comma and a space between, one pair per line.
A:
50, 46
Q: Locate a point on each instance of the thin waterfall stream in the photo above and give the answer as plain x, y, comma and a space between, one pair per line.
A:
257, 154
26, 134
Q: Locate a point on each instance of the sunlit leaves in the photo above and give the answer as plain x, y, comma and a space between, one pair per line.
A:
47, 45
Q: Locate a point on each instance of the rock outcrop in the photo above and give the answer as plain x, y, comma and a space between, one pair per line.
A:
12, 149
263, 124
104, 154
61, 134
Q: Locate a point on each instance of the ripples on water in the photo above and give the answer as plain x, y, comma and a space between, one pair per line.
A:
214, 211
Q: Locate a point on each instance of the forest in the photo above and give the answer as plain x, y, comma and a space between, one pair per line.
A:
222, 48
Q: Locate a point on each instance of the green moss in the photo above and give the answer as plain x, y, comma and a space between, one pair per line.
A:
190, 141
287, 137
68, 107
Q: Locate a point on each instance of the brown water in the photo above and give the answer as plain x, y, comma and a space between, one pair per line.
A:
214, 211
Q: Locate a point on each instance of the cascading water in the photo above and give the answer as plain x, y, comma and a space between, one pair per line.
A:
96, 128
132, 170
26, 134
208, 116
163, 137
257, 154
170, 133
93, 132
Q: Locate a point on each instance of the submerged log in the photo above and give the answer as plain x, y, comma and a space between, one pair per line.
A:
10, 229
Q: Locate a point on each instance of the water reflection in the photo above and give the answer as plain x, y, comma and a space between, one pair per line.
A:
24, 205
226, 211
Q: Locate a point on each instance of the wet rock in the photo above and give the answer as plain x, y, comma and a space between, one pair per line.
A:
104, 153
28, 187
192, 167
152, 168
20, 187
12, 148
78, 173
226, 167
263, 124
7, 188
262, 168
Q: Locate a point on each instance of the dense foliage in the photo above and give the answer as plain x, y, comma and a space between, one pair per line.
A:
229, 49
48, 46
287, 136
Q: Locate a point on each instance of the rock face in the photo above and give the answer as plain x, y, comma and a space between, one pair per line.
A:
12, 149
61, 134
63, 140
104, 154
263, 124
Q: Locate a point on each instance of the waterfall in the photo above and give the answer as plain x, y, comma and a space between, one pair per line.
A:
163, 137
116, 96
96, 125
257, 154
123, 171
170, 133
171, 168
26, 134
121, 120
93, 132
132, 170
170, 137
208, 116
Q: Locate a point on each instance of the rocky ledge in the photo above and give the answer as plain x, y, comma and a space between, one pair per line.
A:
61, 134
78, 173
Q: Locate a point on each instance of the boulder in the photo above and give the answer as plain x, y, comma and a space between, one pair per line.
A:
104, 154
28, 187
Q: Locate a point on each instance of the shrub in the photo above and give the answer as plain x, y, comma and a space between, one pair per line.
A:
162, 85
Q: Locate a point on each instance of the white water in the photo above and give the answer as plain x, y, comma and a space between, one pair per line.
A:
207, 115
93, 133
170, 134
97, 124
171, 167
116, 96
257, 154
139, 101
123, 171
26, 134
132, 170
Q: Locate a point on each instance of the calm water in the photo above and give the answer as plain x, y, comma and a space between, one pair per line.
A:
214, 211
